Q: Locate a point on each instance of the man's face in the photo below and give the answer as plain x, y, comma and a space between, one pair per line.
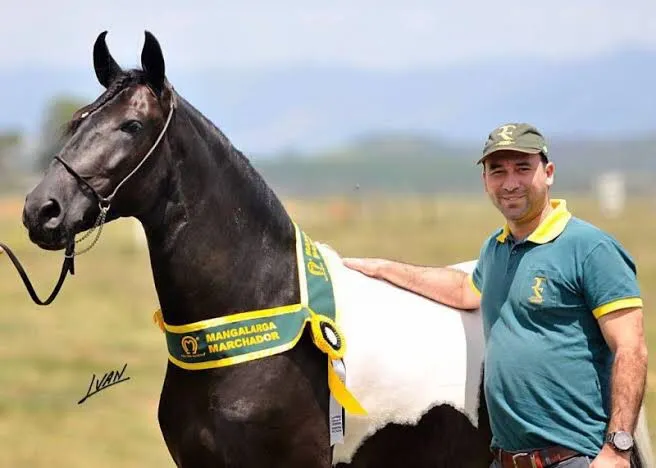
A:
517, 183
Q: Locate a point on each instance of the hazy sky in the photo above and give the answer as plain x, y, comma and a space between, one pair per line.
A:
371, 33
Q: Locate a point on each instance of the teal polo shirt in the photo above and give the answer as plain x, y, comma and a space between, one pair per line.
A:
547, 365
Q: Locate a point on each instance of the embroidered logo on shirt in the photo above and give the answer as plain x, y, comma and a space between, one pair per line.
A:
538, 289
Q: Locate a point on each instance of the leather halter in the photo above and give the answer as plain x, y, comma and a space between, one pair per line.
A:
104, 204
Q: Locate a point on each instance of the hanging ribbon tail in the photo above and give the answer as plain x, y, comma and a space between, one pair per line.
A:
341, 393
158, 319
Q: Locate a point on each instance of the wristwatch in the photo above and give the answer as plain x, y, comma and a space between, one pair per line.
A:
622, 441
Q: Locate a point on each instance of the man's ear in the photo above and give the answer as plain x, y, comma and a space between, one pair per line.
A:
550, 170
484, 179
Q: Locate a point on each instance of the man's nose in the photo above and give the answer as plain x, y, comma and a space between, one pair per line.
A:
510, 183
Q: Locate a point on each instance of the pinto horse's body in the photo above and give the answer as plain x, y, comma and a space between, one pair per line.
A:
220, 243
407, 354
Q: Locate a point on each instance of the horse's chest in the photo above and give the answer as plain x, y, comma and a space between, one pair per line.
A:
244, 419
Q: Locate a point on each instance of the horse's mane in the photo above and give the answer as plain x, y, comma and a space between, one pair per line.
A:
239, 161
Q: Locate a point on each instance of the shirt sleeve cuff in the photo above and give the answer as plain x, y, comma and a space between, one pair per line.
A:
473, 285
619, 304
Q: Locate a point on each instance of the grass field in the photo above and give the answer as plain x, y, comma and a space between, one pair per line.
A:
102, 320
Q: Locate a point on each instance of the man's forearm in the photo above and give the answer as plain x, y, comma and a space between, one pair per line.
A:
445, 285
627, 388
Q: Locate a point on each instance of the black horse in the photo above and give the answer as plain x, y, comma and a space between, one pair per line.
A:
220, 242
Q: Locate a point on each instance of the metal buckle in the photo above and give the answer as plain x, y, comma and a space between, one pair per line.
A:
531, 457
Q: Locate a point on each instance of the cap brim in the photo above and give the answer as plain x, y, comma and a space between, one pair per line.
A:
509, 148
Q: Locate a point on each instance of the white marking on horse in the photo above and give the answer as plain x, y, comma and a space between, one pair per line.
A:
405, 353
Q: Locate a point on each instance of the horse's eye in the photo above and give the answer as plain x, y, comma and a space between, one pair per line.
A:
131, 126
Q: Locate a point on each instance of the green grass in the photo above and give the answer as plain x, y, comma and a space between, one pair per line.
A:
103, 319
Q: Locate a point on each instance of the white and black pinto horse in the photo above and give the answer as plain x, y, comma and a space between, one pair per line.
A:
416, 367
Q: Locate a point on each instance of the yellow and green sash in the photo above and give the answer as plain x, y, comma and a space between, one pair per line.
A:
246, 336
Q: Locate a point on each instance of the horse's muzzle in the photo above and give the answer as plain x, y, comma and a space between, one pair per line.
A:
44, 220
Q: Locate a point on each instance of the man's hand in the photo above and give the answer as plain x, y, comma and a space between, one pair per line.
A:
445, 285
610, 458
368, 266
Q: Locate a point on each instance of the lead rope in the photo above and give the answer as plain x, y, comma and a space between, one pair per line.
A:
68, 266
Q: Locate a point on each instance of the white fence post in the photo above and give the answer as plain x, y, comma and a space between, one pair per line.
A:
611, 193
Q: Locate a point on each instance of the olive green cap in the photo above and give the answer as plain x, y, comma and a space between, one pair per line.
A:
521, 137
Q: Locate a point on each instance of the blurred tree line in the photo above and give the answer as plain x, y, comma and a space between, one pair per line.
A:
13, 151
10, 141
58, 112
375, 163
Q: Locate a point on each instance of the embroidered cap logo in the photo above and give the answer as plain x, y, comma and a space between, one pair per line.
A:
505, 133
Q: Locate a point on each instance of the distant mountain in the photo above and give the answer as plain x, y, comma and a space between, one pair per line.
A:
269, 111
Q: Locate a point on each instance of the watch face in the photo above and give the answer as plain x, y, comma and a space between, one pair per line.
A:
623, 440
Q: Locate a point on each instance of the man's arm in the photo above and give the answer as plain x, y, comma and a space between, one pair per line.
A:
446, 285
623, 331
612, 293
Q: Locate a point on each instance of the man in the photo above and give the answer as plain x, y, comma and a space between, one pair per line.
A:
566, 360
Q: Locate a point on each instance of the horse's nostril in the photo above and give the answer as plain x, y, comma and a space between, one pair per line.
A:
50, 210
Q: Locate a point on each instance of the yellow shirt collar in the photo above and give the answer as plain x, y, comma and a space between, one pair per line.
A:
550, 228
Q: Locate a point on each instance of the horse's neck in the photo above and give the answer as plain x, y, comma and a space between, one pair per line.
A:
220, 242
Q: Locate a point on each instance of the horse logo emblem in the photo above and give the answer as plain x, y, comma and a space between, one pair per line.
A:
505, 133
189, 345
538, 289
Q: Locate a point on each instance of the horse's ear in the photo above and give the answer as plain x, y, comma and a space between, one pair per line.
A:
106, 67
152, 62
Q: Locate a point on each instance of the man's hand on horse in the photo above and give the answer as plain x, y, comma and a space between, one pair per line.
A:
368, 266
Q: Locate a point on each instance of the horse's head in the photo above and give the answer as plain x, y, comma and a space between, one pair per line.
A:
114, 153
